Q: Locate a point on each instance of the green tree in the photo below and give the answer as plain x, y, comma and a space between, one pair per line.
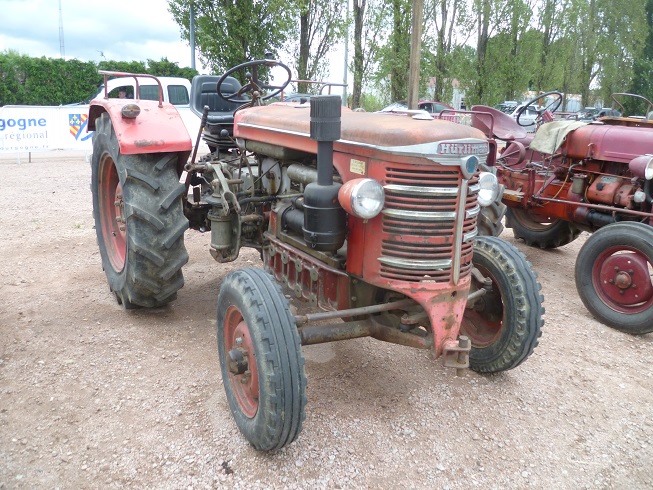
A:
12, 78
230, 32
393, 57
322, 23
369, 17
620, 48
642, 83
123, 66
165, 68
442, 20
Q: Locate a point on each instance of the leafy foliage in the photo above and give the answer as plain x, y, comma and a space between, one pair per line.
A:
54, 81
231, 32
321, 24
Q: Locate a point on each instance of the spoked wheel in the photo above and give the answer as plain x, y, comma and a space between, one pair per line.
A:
504, 324
614, 276
540, 232
261, 359
139, 220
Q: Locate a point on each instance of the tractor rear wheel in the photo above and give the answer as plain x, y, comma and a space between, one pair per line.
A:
614, 276
489, 219
261, 360
139, 220
537, 232
504, 324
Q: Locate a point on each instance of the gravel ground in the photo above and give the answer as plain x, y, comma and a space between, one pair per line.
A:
92, 396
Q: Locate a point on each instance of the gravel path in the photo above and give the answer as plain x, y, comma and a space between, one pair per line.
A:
92, 396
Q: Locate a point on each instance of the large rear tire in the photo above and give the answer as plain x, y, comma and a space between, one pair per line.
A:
490, 219
614, 276
539, 233
139, 220
504, 325
260, 359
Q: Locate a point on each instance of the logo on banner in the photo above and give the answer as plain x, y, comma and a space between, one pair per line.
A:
77, 124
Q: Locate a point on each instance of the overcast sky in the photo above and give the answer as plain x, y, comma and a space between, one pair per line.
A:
93, 30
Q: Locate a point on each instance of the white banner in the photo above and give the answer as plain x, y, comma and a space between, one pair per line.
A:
40, 128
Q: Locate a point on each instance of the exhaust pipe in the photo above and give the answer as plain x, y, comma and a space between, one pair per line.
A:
324, 219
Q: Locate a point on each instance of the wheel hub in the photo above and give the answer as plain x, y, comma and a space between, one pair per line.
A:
112, 213
238, 361
625, 279
241, 361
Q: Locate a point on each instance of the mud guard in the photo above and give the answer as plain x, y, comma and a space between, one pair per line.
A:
155, 130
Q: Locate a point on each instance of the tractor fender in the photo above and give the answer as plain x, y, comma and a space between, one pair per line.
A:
155, 130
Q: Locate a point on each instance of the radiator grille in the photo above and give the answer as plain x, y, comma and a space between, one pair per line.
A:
419, 221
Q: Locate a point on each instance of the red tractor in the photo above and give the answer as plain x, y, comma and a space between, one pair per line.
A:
572, 176
368, 217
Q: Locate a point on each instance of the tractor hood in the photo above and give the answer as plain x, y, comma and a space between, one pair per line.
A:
609, 142
361, 132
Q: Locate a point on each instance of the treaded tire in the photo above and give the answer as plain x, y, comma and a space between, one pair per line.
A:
505, 324
536, 234
609, 249
268, 399
142, 256
489, 219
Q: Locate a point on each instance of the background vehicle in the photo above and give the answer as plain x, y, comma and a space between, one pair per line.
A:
507, 106
529, 115
430, 106
372, 219
592, 114
574, 176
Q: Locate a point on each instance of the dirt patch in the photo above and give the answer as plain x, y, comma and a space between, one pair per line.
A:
95, 396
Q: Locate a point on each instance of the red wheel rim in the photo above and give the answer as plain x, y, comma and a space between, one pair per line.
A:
237, 338
484, 326
622, 278
112, 217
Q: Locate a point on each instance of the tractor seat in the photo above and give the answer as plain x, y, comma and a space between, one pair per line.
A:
496, 124
204, 90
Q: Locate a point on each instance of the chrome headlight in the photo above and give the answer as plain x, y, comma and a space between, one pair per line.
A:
362, 198
489, 188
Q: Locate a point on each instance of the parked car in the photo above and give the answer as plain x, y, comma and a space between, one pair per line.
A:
425, 109
430, 106
527, 119
296, 97
507, 106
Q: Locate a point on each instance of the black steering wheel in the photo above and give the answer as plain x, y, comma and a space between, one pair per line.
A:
253, 84
550, 107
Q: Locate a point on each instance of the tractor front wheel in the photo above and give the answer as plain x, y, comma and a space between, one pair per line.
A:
614, 276
537, 232
139, 220
505, 323
260, 359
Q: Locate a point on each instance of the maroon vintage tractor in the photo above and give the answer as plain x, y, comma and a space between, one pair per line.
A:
370, 218
573, 176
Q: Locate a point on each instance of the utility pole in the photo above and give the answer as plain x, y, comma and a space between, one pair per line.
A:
415, 54
62, 49
192, 35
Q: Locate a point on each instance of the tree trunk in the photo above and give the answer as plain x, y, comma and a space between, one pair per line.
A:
304, 51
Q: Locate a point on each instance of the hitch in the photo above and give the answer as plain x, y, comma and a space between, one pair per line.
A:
456, 354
